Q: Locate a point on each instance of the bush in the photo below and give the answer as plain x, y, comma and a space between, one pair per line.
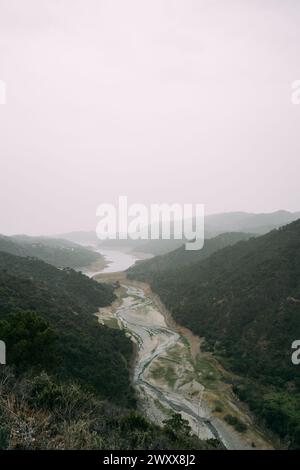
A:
236, 423
3, 437
29, 340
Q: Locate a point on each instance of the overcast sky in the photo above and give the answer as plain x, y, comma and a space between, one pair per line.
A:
160, 100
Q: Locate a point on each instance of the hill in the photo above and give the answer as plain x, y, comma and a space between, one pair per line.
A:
245, 300
249, 222
181, 257
215, 224
59, 252
66, 384
67, 299
81, 237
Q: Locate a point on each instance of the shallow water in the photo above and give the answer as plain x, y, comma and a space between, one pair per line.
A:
116, 261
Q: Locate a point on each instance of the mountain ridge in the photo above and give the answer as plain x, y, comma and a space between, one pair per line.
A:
215, 224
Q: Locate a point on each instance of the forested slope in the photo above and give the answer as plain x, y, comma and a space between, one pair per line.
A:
67, 379
181, 257
60, 253
245, 300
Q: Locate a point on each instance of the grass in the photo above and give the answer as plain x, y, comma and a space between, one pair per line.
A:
164, 371
218, 406
207, 373
175, 355
111, 323
162, 408
186, 343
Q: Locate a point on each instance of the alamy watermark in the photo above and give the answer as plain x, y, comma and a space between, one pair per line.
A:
295, 96
2, 353
296, 353
156, 221
2, 92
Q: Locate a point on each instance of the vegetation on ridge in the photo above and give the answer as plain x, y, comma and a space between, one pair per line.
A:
245, 301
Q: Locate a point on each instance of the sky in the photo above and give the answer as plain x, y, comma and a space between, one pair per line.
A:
163, 101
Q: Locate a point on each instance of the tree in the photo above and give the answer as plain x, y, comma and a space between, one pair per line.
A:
30, 342
177, 426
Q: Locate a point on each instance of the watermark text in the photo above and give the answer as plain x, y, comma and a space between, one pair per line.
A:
156, 221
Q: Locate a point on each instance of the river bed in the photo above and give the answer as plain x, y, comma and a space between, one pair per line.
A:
166, 376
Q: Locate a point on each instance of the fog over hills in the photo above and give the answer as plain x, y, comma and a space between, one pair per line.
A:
249, 222
215, 224
139, 116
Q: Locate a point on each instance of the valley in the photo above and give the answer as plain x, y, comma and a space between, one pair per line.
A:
171, 374
162, 344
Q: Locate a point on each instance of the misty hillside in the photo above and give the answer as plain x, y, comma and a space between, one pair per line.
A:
58, 252
81, 237
153, 247
181, 257
215, 224
249, 222
245, 300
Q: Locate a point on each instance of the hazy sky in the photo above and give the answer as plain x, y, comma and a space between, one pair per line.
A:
160, 100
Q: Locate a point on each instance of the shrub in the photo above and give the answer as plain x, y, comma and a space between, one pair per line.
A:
236, 423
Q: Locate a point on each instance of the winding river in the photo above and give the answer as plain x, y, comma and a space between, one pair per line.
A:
158, 345
154, 338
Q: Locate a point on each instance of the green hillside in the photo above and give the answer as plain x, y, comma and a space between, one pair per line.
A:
181, 257
245, 300
67, 383
66, 300
60, 253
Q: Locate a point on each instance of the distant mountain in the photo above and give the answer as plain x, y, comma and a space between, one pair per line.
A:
88, 238
60, 253
154, 247
215, 224
249, 222
245, 300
